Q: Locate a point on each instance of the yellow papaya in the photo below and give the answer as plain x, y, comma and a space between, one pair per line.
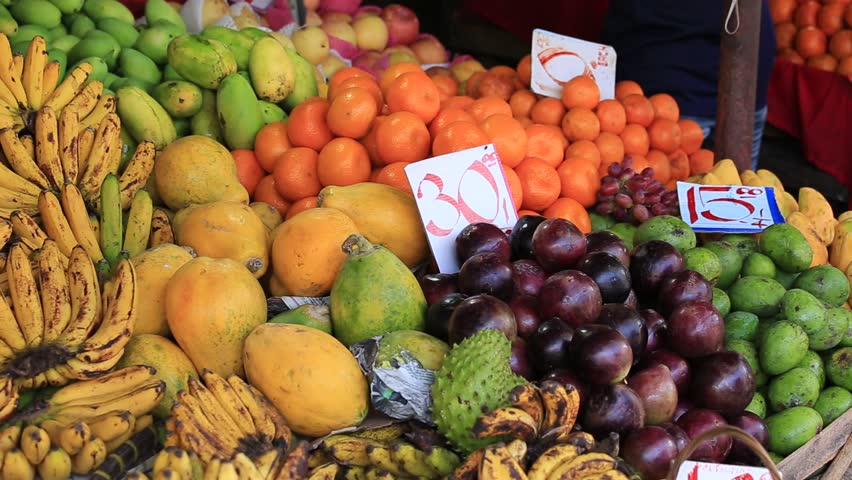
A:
804, 225
154, 269
814, 206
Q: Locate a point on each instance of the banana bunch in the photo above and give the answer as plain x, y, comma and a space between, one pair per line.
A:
57, 324
176, 464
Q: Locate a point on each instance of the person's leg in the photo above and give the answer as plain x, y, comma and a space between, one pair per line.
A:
759, 124
707, 125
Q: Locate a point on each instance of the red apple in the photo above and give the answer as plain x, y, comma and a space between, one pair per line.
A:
403, 24
429, 49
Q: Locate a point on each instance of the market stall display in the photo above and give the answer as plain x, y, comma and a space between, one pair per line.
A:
212, 264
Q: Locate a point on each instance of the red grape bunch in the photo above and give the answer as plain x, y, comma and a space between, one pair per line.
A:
634, 198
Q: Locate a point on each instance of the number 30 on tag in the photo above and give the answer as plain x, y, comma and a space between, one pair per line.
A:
455, 190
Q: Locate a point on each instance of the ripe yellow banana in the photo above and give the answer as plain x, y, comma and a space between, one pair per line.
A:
260, 416
10, 436
26, 228
9, 398
33, 71
89, 457
69, 133
82, 370
268, 462
109, 385
56, 465
85, 142
10, 201
558, 407
840, 254
25, 296
47, 146
112, 425
506, 422
380, 457
10, 118
328, 471
413, 461
104, 106
295, 464
50, 79
228, 471
55, 223
208, 420
527, 398
87, 99
85, 298
229, 401
498, 464
138, 228
10, 332
161, 229
211, 470
69, 88
29, 145
16, 465
10, 180
137, 172
35, 444
349, 450
7, 97
73, 437
213, 409
20, 160
117, 325
139, 401
7, 74
551, 459
192, 437
55, 293
584, 465
18, 68
99, 161
246, 469
74, 208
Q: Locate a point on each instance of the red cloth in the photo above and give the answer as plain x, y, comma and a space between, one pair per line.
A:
815, 107
576, 18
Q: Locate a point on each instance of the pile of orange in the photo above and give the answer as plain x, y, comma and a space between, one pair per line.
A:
815, 33
554, 151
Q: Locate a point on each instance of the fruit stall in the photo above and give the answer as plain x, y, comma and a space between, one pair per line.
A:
237, 247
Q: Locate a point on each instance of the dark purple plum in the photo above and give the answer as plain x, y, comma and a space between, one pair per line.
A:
681, 287
604, 241
600, 354
520, 239
677, 365
550, 345
486, 273
680, 438
722, 381
612, 408
656, 325
658, 392
438, 315
482, 237
558, 244
480, 312
699, 420
609, 273
651, 450
436, 286
527, 277
571, 296
683, 405
650, 263
628, 322
520, 359
754, 426
631, 300
525, 308
567, 377
695, 329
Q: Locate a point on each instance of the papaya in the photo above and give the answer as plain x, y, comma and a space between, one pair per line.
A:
212, 304
374, 294
154, 268
385, 215
268, 214
304, 373
224, 229
306, 251
173, 366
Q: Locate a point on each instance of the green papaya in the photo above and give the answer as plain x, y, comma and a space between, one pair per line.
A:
202, 61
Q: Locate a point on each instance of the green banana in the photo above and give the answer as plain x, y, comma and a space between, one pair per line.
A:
8, 24
81, 26
170, 74
68, 7
202, 61
36, 12
271, 112
181, 99
154, 41
272, 71
111, 220
305, 85
100, 9
206, 121
123, 33
239, 44
134, 64
160, 10
144, 117
239, 112
139, 223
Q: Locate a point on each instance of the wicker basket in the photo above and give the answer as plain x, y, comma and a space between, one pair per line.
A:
731, 431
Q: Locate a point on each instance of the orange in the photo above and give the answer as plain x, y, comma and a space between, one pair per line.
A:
679, 162
301, 205
521, 102
414, 92
496, 85
585, 149
525, 121
458, 101
457, 136
830, 18
393, 174
581, 91
402, 137
581, 124
691, 135
484, 107
249, 171
810, 41
844, 68
782, 10
524, 69
806, 14
841, 44
540, 182
447, 116
447, 86
638, 163
296, 174
660, 163
579, 180
548, 111
306, 126
523, 213
514, 184
701, 161
508, 136
665, 106
635, 139
371, 144
345, 74
351, 113
265, 191
664, 135
612, 116
392, 72
546, 142
785, 34
627, 87
343, 162
570, 210
269, 143
823, 61
638, 109
367, 83
610, 148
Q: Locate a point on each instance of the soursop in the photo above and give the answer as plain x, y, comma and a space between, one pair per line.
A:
475, 378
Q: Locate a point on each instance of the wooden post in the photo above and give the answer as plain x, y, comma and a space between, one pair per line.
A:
737, 81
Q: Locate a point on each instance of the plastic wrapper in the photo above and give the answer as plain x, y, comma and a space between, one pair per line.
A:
399, 388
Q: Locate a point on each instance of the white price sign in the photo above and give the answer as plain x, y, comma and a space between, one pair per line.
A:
728, 208
715, 471
455, 190
556, 59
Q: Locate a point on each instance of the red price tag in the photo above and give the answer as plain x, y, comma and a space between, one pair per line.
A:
691, 470
728, 208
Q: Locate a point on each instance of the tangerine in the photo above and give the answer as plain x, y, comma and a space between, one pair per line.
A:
414, 92
306, 126
392, 72
664, 135
458, 101
546, 142
343, 161
351, 113
508, 136
514, 184
540, 183
665, 106
810, 41
393, 174
579, 180
638, 109
627, 87
300, 206
611, 148
691, 135
611, 115
830, 18
447, 116
806, 14
521, 102
570, 210
266, 192
635, 139
548, 111
585, 149
402, 137
785, 35
457, 136
701, 161
296, 174
524, 69
269, 143
841, 44
484, 107
580, 124
659, 162
581, 91
249, 171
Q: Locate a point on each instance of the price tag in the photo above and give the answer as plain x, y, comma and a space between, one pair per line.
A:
728, 208
690, 470
455, 190
556, 59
